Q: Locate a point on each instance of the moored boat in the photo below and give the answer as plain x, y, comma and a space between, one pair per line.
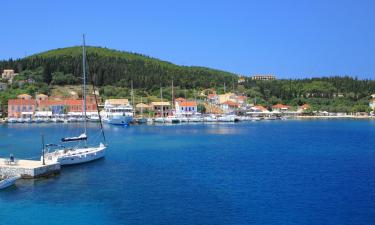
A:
8, 181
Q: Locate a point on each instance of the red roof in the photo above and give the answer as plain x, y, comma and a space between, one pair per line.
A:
211, 96
241, 97
21, 102
188, 104
261, 108
305, 106
230, 103
180, 99
280, 106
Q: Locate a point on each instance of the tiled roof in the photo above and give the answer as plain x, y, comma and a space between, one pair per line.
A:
230, 103
160, 103
280, 106
188, 104
21, 102
260, 108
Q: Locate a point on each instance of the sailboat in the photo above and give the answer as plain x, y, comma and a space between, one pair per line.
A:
80, 152
161, 118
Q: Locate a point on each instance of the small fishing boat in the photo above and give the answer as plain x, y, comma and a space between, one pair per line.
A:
8, 181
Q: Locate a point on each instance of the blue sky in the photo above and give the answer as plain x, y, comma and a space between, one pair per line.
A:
288, 38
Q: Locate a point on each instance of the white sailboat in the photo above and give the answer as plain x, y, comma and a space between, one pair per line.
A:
81, 152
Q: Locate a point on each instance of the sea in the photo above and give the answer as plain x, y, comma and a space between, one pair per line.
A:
262, 172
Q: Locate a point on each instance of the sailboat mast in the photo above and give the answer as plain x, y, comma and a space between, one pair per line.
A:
84, 81
161, 96
133, 103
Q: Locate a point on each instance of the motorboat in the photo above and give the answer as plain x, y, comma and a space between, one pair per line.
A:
8, 181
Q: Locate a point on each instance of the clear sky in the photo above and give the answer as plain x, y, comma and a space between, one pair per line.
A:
288, 38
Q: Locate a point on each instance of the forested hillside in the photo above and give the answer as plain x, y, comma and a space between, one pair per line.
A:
113, 72
111, 67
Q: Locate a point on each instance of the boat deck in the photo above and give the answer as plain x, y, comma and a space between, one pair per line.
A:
27, 168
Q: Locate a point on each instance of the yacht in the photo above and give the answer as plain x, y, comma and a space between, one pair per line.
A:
118, 115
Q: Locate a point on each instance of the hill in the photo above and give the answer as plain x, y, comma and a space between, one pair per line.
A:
117, 68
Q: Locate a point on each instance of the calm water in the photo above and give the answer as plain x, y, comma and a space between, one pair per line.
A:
276, 172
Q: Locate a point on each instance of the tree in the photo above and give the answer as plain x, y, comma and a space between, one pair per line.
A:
47, 75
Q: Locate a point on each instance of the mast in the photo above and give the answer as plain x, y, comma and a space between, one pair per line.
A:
161, 97
141, 108
133, 98
172, 96
84, 81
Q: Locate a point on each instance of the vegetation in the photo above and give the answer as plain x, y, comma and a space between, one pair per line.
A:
113, 72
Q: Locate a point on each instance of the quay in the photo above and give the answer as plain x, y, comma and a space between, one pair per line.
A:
28, 169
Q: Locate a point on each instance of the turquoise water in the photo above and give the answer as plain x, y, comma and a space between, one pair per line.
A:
268, 172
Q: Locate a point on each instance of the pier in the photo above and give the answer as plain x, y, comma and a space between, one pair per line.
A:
27, 169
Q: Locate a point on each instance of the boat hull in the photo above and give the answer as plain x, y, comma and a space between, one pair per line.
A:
8, 182
119, 120
78, 156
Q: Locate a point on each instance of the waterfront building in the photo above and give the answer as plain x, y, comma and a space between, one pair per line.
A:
142, 107
241, 100
280, 108
213, 98
263, 77
186, 107
227, 97
75, 105
8, 74
21, 108
161, 108
259, 109
229, 106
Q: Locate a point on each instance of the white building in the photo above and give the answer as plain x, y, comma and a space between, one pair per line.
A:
186, 107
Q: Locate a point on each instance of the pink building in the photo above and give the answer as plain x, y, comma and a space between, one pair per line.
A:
21, 108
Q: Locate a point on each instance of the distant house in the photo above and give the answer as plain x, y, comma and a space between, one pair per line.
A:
263, 77
304, 107
229, 106
161, 108
180, 99
116, 102
213, 98
280, 108
186, 107
259, 109
8, 75
142, 107
21, 108
241, 80
227, 97
241, 100
3, 86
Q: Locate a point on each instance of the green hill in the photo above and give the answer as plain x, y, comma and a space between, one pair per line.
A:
118, 68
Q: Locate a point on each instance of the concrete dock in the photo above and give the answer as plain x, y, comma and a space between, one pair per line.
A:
28, 168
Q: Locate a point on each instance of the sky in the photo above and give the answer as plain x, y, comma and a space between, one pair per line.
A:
287, 38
